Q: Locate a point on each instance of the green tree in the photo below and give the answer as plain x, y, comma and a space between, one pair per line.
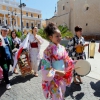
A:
19, 34
42, 33
65, 32
63, 29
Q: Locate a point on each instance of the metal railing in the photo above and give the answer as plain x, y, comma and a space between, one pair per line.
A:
16, 4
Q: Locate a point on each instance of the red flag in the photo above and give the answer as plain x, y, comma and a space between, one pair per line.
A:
24, 45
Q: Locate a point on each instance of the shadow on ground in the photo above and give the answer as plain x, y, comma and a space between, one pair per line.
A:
20, 79
2, 87
73, 88
96, 88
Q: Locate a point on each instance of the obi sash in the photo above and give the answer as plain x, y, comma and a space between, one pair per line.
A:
58, 65
34, 45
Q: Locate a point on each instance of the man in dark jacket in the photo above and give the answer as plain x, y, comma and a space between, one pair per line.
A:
8, 49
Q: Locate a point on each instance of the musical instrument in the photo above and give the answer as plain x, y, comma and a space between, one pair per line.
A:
82, 67
80, 49
24, 63
99, 48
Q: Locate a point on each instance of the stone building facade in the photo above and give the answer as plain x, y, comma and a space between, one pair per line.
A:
10, 14
85, 13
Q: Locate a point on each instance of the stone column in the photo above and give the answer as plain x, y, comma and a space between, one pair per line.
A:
4, 20
16, 23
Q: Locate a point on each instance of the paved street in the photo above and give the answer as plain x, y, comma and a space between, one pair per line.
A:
95, 63
29, 88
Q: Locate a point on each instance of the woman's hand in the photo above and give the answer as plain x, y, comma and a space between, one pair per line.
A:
37, 39
86, 44
60, 73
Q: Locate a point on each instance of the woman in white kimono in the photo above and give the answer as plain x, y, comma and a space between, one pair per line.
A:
35, 42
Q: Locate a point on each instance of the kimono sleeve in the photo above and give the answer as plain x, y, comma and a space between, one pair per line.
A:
40, 39
83, 40
48, 72
71, 44
70, 47
69, 67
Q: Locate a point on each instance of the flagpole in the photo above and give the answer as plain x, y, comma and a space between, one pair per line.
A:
21, 5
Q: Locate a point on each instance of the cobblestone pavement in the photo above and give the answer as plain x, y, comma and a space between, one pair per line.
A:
29, 88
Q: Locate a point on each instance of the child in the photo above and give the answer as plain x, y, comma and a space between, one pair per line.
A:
77, 41
3, 63
56, 66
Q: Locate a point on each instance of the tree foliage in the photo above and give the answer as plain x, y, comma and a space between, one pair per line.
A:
65, 32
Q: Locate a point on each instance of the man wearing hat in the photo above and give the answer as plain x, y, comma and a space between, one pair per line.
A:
11, 44
8, 51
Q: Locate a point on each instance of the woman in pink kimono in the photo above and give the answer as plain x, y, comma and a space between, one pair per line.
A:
56, 66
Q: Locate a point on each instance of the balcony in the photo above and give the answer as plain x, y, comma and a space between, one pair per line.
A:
16, 4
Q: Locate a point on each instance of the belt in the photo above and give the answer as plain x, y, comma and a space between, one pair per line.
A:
34, 45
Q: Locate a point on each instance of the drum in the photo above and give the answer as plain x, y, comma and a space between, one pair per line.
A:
24, 63
82, 67
79, 49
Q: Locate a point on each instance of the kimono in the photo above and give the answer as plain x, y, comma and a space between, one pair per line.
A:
16, 42
72, 52
34, 51
54, 85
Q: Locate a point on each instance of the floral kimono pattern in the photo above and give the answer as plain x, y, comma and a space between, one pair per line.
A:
53, 85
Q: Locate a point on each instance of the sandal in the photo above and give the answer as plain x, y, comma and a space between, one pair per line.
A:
15, 71
35, 74
81, 82
76, 82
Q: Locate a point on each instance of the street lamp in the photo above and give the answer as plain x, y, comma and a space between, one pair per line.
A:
13, 13
21, 5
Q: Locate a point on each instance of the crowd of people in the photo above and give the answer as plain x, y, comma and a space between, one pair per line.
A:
57, 64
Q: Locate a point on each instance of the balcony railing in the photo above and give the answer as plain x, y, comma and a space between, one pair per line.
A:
16, 4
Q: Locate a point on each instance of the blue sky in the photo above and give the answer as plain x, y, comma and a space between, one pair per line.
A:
47, 7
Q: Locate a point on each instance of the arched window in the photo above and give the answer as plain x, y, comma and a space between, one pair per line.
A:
31, 24
26, 13
87, 8
31, 15
86, 24
27, 25
38, 16
63, 7
38, 26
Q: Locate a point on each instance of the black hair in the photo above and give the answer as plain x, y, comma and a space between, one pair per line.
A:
12, 33
50, 29
78, 28
32, 28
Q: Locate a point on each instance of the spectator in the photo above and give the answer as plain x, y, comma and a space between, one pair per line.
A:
6, 55
16, 42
